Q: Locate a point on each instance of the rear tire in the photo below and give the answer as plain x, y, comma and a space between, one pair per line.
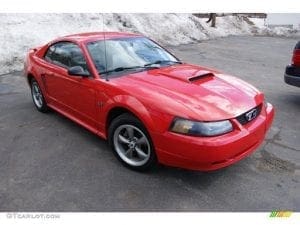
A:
38, 97
131, 143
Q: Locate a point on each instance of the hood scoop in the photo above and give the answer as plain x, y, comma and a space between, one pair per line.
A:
200, 75
187, 75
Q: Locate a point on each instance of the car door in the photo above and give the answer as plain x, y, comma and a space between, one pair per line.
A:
74, 95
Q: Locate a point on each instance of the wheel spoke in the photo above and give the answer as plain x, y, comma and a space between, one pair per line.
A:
130, 132
129, 152
122, 139
36, 89
142, 140
140, 152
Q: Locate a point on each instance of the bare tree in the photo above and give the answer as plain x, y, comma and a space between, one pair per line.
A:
212, 18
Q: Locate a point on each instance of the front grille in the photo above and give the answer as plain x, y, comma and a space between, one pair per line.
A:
243, 119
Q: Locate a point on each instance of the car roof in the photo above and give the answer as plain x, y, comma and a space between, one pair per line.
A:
92, 36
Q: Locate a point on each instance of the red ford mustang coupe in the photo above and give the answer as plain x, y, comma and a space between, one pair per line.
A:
151, 107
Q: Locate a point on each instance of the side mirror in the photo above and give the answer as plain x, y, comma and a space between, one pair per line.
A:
77, 71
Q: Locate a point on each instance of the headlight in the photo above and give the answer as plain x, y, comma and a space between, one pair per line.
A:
195, 128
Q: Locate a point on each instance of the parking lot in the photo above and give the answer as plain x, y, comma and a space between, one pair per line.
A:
48, 163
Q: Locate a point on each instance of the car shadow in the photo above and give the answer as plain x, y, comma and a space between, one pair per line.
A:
191, 177
71, 125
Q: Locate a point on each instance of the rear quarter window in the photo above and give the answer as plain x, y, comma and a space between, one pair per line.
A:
49, 53
67, 55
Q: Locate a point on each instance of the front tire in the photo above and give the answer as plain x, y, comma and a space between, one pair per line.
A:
38, 97
131, 143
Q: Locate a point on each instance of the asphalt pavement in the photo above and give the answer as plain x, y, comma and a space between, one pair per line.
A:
48, 163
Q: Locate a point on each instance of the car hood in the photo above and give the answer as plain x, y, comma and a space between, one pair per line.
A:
192, 92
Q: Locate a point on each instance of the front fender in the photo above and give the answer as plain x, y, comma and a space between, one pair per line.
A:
152, 120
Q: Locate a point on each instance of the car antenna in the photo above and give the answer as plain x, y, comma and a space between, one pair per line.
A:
105, 54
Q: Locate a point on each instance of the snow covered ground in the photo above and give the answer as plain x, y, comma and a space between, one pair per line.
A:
19, 32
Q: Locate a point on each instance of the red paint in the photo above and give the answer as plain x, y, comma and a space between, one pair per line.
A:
156, 97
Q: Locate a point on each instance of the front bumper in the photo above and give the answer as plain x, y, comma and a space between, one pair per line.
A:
292, 75
211, 153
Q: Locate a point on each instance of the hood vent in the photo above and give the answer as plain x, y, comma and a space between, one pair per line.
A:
200, 76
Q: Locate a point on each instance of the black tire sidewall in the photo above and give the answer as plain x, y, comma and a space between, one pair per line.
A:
131, 120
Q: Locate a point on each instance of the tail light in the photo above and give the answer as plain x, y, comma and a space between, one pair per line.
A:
296, 55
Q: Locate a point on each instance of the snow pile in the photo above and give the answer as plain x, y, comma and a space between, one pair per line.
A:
19, 32
280, 31
263, 29
258, 22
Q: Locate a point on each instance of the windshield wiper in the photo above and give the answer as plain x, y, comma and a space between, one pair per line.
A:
162, 61
119, 69
146, 66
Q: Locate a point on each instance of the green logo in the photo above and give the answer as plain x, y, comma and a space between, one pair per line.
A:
279, 213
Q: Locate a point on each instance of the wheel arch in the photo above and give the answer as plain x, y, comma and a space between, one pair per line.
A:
29, 77
133, 107
114, 113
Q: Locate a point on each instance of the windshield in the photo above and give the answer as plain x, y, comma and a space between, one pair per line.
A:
133, 53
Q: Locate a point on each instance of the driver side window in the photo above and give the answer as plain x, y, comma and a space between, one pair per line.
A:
66, 55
